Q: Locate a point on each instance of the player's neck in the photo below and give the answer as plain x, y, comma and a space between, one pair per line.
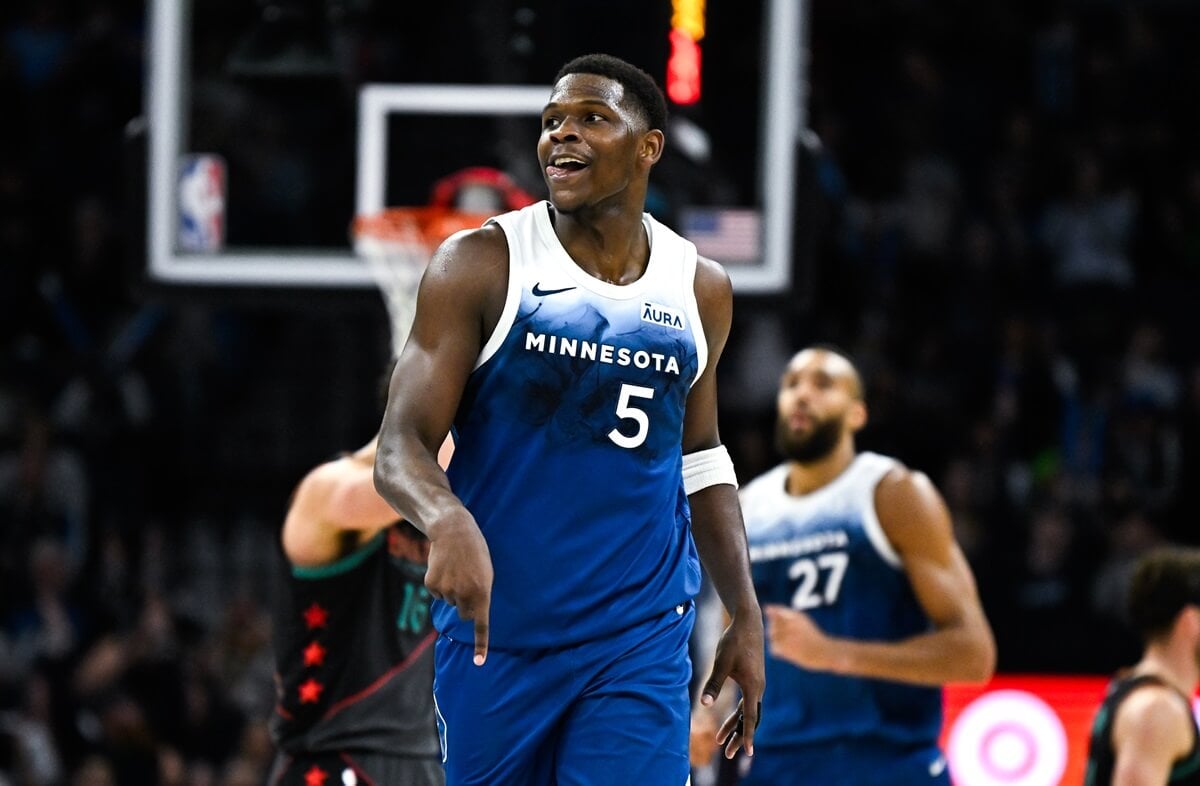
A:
607, 243
807, 477
1175, 662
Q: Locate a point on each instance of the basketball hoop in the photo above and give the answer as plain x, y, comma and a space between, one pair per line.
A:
396, 244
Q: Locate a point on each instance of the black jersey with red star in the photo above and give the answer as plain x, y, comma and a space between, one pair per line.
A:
354, 654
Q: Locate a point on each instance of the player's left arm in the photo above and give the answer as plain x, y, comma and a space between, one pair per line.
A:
717, 524
959, 648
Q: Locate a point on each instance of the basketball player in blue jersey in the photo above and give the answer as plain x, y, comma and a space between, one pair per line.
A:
353, 639
1145, 733
870, 603
573, 346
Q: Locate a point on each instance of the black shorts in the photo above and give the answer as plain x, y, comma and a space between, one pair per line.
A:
355, 768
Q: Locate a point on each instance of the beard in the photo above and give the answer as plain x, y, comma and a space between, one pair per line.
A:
816, 445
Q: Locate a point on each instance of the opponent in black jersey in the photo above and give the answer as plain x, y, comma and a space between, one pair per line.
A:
353, 638
1145, 731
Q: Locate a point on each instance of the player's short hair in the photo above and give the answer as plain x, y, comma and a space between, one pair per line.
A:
835, 349
1165, 581
638, 84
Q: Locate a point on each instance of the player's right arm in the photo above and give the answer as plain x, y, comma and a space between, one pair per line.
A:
1151, 732
459, 300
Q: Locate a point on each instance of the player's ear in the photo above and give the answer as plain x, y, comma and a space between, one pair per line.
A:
1189, 620
856, 417
651, 150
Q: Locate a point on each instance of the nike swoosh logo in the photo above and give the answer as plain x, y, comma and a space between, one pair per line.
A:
539, 292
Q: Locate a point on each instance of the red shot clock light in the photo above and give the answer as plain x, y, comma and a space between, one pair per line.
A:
683, 66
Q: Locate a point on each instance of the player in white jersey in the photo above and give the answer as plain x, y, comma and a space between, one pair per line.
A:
573, 345
870, 603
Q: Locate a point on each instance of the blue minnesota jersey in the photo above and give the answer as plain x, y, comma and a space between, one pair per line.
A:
826, 554
567, 448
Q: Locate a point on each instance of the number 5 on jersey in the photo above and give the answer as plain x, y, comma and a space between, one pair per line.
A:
627, 411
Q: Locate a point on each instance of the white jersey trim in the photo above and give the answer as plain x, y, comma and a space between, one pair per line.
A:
535, 239
881, 466
546, 234
690, 265
857, 483
512, 296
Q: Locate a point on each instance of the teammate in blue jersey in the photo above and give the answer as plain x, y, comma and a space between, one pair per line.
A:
1145, 731
573, 346
870, 603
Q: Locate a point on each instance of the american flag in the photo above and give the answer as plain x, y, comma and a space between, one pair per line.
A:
729, 235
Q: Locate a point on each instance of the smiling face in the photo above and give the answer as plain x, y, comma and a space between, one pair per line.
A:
595, 145
818, 405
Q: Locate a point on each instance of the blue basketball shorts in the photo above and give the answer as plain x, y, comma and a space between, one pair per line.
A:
846, 763
609, 712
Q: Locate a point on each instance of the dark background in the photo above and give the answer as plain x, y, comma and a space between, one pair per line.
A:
1001, 223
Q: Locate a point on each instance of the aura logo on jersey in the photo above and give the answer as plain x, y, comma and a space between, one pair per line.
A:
666, 316
600, 353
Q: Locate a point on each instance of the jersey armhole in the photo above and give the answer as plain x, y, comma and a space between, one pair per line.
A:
874, 528
690, 266
343, 564
512, 296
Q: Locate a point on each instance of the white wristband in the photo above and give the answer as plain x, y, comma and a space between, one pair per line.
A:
706, 468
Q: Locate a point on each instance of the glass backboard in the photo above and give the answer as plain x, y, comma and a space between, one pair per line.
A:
273, 124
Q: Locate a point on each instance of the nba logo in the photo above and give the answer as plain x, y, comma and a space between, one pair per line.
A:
201, 203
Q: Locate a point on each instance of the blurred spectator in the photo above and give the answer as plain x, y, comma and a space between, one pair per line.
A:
95, 771
1187, 502
1148, 375
1089, 230
31, 731
50, 625
1131, 534
1143, 460
1047, 600
44, 491
40, 44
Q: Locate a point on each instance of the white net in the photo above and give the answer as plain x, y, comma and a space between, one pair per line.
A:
396, 249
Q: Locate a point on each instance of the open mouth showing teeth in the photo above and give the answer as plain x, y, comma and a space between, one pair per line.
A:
569, 163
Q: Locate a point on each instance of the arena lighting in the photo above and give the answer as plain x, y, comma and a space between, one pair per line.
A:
683, 66
688, 16
683, 69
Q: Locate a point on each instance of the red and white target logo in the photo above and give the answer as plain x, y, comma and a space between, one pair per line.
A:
1007, 738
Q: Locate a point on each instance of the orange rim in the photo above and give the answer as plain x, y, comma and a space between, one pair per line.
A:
431, 223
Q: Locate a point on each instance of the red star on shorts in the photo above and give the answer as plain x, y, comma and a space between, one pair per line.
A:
310, 691
315, 616
315, 776
314, 655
